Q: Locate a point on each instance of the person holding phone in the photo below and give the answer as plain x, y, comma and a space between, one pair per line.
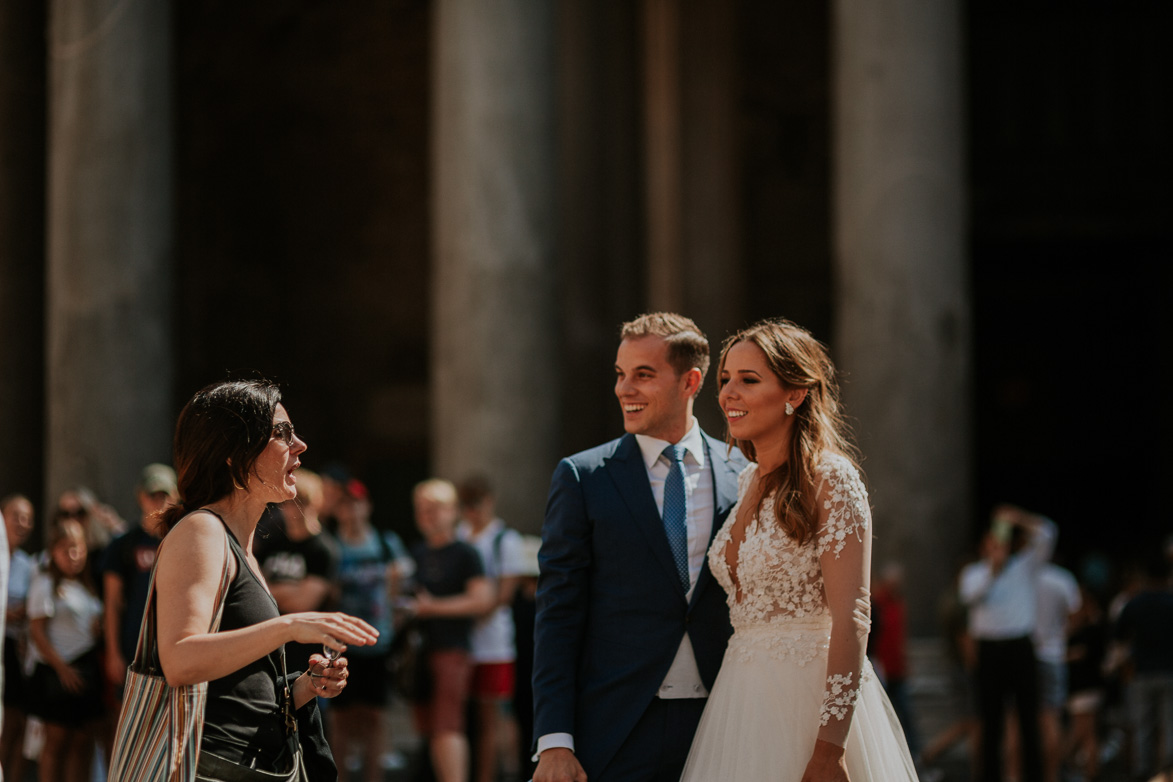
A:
1001, 590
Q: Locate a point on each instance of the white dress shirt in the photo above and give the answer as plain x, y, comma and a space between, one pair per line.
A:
1004, 605
684, 678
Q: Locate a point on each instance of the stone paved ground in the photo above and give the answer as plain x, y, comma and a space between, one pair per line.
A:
938, 704
935, 700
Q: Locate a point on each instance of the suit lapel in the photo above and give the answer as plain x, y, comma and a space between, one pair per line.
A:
724, 477
630, 475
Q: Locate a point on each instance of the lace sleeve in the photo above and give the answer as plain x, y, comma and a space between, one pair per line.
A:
845, 545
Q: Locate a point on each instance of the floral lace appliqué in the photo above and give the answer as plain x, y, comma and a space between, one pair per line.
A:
800, 641
777, 576
839, 698
846, 504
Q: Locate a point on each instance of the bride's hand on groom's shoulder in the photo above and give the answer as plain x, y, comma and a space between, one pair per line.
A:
559, 764
827, 764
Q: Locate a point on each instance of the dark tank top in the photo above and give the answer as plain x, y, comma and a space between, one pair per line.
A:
243, 721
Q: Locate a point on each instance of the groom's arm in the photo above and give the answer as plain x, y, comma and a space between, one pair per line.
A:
562, 604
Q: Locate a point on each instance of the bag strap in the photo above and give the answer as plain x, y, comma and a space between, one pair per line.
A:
292, 737
146, 653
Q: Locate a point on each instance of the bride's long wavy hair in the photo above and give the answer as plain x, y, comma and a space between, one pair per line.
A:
798, 360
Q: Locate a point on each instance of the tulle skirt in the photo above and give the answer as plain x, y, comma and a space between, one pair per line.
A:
762, 719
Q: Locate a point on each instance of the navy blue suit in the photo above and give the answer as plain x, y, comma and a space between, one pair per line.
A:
611, 610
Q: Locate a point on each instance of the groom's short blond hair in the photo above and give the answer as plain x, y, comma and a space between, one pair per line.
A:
688, 347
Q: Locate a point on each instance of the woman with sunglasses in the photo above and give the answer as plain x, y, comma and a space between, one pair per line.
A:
235, 452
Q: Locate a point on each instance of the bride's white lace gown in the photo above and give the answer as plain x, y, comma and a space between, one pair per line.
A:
795, 670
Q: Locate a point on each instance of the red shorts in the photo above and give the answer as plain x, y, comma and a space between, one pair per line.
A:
451, 677
493, 681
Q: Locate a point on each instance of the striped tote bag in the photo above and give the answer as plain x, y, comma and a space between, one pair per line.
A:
160, 727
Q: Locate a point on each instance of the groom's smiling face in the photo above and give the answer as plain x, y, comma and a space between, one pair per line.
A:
655, 400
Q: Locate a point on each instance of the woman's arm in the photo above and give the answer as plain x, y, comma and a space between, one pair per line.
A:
191, 561
844, 541
70, 678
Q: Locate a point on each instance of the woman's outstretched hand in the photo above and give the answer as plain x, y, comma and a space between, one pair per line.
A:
334, 630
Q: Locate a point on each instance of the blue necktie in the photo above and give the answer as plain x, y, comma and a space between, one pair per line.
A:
675, 510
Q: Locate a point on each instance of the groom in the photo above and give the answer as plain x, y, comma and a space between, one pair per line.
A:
631, 625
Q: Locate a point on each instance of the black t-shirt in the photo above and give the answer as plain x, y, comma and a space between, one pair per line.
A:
1147, 624
131, 556
443, 572
284, 561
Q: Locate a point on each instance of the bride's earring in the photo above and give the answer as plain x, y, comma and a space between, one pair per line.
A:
789, 409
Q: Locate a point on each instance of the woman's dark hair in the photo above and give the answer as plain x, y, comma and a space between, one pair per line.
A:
219, 435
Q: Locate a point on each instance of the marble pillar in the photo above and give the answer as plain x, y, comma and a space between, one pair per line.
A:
109, 239
22, 246
495, 328
691, 149
691, 144
663, 142
902, 322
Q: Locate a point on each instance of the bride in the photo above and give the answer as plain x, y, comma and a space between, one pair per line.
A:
796, 699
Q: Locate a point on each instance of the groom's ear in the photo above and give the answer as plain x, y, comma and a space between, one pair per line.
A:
692, 381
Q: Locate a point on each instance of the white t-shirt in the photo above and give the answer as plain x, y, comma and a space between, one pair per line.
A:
493, 637
1058, 596
20, 572
71, 612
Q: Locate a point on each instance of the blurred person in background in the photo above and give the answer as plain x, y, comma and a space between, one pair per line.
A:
126, 571
4, 562
335, 476
954, 618
64, 625
1058, 598
371, 564
100, 521
494, 650
17, 511
1087, 643
524, 613
125, 579
1001, 591
889, 646
451, 593
1145, 630
300, 563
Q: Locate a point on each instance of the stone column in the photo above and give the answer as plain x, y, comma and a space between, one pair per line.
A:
711, 227
495, 363
109, 236
691, 151
662, 148
902, 336
22, 246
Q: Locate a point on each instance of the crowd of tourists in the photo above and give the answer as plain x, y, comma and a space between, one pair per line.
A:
75, 608
1064, 673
